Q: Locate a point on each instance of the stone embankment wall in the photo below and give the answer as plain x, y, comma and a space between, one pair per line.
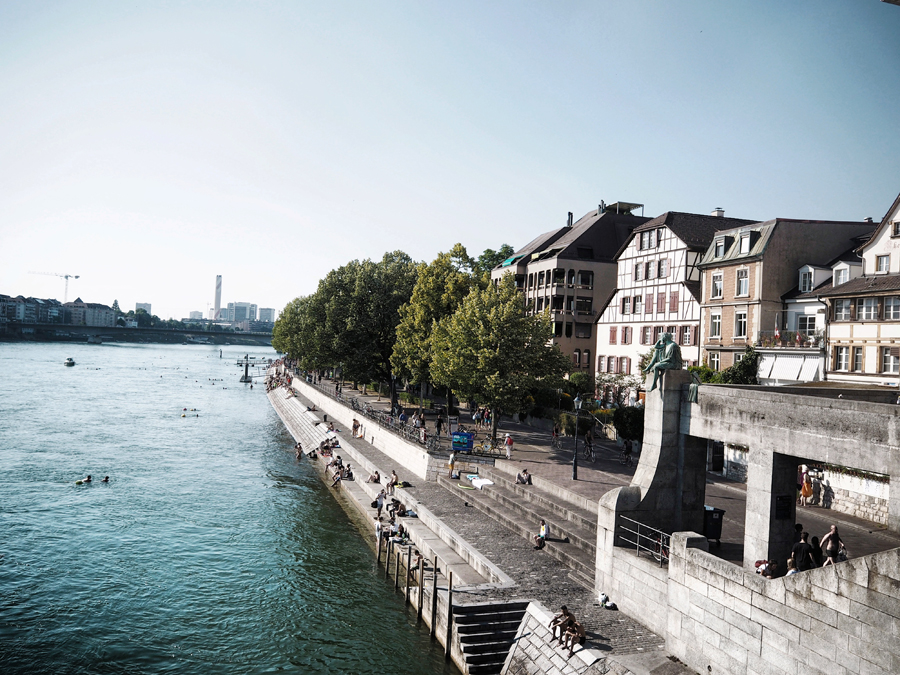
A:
835, 619
533, 654
406, 454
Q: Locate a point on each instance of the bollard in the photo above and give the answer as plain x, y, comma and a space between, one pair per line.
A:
397, 572
408, 563
434, 599
421, 588
449, 616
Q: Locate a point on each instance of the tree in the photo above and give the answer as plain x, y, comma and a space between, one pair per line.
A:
618, 384
115, 307
491, 258
440, 288
143, 319
744, 371
629, 422
492, 352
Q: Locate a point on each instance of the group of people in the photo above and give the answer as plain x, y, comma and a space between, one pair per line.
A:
87, 479
570, 630
482, 418
807, 553
341, 472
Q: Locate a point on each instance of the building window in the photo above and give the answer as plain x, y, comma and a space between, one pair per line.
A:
626, 335
892, 307
716, 290
806, 323
540, 304
558, 303
648, 240
742, 287
841, 276
895, 228
719, 249
557, 328
586, 358
663, 268
657, 331
842, 310
613, 334
806, 281
842, 358
636, 303
586, 279
576, 358
568, 329
559, 275
857, 359
745, 243
738, 358
540, 281
601, 364
890, 360
623, 364
611, 364
638, 271
687, 335
867, 309
531, 280
715, 325
583, 330
626, 305
673, 301
646, 335
650, 270
882, 263
584, 305
740, 324
714, 360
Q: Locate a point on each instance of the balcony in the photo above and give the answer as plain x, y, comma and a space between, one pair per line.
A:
789, 339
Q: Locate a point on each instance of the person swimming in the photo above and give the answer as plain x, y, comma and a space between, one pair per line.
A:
105, 480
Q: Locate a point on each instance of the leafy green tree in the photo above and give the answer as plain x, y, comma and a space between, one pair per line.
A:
744, 371
115, 307
440, 288
491, 258
492, 352
144, 320
629, 422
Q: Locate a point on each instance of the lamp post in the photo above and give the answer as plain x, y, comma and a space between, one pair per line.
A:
577, 403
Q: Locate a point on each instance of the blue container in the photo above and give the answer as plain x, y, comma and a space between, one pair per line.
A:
462, 442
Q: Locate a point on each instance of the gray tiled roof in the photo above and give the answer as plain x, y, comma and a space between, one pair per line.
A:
865, 286
695, 230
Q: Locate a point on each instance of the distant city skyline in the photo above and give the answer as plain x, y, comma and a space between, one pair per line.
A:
150, 147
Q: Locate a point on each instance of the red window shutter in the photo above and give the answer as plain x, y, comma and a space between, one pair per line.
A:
660, 302
649, 306
673, 301
612, 335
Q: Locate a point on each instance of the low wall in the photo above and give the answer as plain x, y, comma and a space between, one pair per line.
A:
532, 653
407, 455
724, 619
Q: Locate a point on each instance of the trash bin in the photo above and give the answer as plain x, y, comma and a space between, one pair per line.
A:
712, 523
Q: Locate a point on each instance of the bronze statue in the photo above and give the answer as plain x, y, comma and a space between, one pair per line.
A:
666, 356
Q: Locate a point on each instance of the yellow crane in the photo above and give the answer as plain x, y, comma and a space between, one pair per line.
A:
64, 276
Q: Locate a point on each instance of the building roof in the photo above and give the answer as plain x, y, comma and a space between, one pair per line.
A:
885, 222
865, 285
695, 289
795, 294
695, 230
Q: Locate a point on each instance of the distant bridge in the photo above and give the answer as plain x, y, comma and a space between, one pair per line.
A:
59, 332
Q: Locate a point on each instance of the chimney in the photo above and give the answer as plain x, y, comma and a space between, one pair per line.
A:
867, 219
570, 219
601, 208
718, 212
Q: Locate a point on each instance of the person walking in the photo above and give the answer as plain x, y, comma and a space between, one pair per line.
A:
451, 462
832, 545
508, 443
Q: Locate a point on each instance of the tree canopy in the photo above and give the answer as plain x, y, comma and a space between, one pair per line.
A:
492, 352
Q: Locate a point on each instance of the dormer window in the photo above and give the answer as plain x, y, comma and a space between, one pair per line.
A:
841, 276
895, 228
745, 243
719, 249
806, 281
882, 264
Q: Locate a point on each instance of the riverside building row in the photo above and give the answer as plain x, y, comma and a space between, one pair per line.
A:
818, 299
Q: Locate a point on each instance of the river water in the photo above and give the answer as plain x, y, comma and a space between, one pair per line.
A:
211, 550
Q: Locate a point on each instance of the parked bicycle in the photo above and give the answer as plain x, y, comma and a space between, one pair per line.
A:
486, 447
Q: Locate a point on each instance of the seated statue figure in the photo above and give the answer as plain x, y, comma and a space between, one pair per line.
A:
666, 356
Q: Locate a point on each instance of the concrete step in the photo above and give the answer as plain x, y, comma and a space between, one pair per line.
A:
495, 616
488, 658
479, 638
488, 627
578, 560
489, 607
473, 649
544, 501
491, 669
577, 535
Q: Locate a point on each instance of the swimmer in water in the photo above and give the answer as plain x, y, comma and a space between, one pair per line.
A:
105, 480
86, 480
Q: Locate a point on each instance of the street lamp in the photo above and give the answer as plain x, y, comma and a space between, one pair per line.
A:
577, 403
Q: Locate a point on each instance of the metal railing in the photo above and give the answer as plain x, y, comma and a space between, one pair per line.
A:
644, 538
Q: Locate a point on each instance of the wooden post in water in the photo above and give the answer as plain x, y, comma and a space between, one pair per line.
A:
387, 559
421, 588
397, 571
434, 599
408, 563
449, 615
378, 548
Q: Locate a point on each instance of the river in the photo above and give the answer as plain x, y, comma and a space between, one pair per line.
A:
211, 549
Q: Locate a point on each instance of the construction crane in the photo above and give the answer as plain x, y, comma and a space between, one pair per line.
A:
64, 276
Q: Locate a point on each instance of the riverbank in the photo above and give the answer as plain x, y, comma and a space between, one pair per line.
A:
520, 573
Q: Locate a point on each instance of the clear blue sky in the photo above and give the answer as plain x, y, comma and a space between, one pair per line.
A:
149, 146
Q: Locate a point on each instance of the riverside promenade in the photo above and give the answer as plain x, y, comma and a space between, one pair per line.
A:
625, 643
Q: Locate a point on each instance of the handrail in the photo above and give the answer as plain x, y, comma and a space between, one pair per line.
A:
646, 538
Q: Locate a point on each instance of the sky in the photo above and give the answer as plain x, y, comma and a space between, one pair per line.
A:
149, 146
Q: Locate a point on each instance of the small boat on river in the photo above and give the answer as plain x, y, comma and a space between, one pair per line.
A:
70, 361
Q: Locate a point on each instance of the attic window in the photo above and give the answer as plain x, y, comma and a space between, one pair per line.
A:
585, 252
720, 248
745, 243
895, 228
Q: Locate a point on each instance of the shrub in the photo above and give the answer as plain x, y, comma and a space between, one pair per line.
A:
629, 423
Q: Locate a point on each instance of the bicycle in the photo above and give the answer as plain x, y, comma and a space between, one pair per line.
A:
626, 458
588, 453
486, 447
661, 549
555, 442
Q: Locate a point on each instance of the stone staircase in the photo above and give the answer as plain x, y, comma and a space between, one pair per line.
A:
486, 633
572, 528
